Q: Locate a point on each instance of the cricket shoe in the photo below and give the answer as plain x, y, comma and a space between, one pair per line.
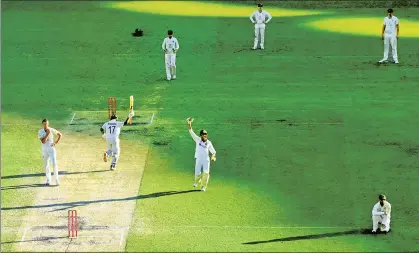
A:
174, 77
203, 189
374, 231
57, 183
382, 61
195, 185
396, 62
113, 167
262, 48
47, 183
105, 157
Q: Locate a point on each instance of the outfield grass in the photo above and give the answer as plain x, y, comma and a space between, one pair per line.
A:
308, 132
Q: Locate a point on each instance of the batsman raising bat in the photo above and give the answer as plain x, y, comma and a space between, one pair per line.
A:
203, 147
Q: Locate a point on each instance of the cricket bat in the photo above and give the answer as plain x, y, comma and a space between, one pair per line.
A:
131, 108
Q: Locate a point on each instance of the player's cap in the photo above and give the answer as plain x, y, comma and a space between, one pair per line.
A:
170, 32
203, 132
260, 5
114, 117
390, 10
382, 197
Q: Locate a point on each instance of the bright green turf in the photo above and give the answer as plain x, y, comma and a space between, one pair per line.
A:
268, 173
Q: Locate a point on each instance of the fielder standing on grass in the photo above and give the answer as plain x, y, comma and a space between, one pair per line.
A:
111, 131
390, 35
260, 24
46, 135
170, 46
381, 213
203, 147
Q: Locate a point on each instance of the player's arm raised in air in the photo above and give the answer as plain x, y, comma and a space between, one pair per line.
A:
194, 136
131, 114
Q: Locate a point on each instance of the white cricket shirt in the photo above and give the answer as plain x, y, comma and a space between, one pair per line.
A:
50, 141
390, 24
202, 148
260, 17
112, 129
170, 44
382, 210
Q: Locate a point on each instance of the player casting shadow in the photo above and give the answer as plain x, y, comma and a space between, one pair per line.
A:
309, 237
68, 205
59, 173
24, 186
46, 239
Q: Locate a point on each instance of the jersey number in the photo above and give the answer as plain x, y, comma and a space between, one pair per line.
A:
111, 129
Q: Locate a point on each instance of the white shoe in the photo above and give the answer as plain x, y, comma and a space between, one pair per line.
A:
382, 61
48, 183
113, 167
57, 183
262, 47
396, 62
203, 189
253, 48
195, 185
174, 77
374, 231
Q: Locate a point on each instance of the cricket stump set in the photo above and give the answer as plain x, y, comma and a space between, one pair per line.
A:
112, 107
73, 224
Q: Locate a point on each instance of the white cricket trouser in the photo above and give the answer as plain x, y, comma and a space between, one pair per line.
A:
383, 219
203, 164
259, 29
113, 149
390, 40
49, 154
170, 62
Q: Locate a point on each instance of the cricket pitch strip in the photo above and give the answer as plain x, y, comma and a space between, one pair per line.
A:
105, 200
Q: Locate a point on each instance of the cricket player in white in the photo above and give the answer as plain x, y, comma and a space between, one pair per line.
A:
260, 21
46, 135
381, 213
390, 35
111, 131
203, 147
170, 46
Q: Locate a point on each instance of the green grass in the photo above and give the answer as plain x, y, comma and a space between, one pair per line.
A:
308, 132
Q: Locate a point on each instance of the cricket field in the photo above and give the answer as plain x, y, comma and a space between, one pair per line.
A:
308, 132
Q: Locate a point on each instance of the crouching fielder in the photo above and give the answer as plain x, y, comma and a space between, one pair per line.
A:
111, 131
203, 146
381, 213
170, 46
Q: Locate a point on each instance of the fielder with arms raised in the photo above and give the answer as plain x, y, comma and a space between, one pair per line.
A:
111, 131
260, 22
203, 147
45, 134
381, 213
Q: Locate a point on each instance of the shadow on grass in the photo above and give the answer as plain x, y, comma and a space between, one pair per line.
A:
67, 205
59, 173
24, 186
46, 239
310, 237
